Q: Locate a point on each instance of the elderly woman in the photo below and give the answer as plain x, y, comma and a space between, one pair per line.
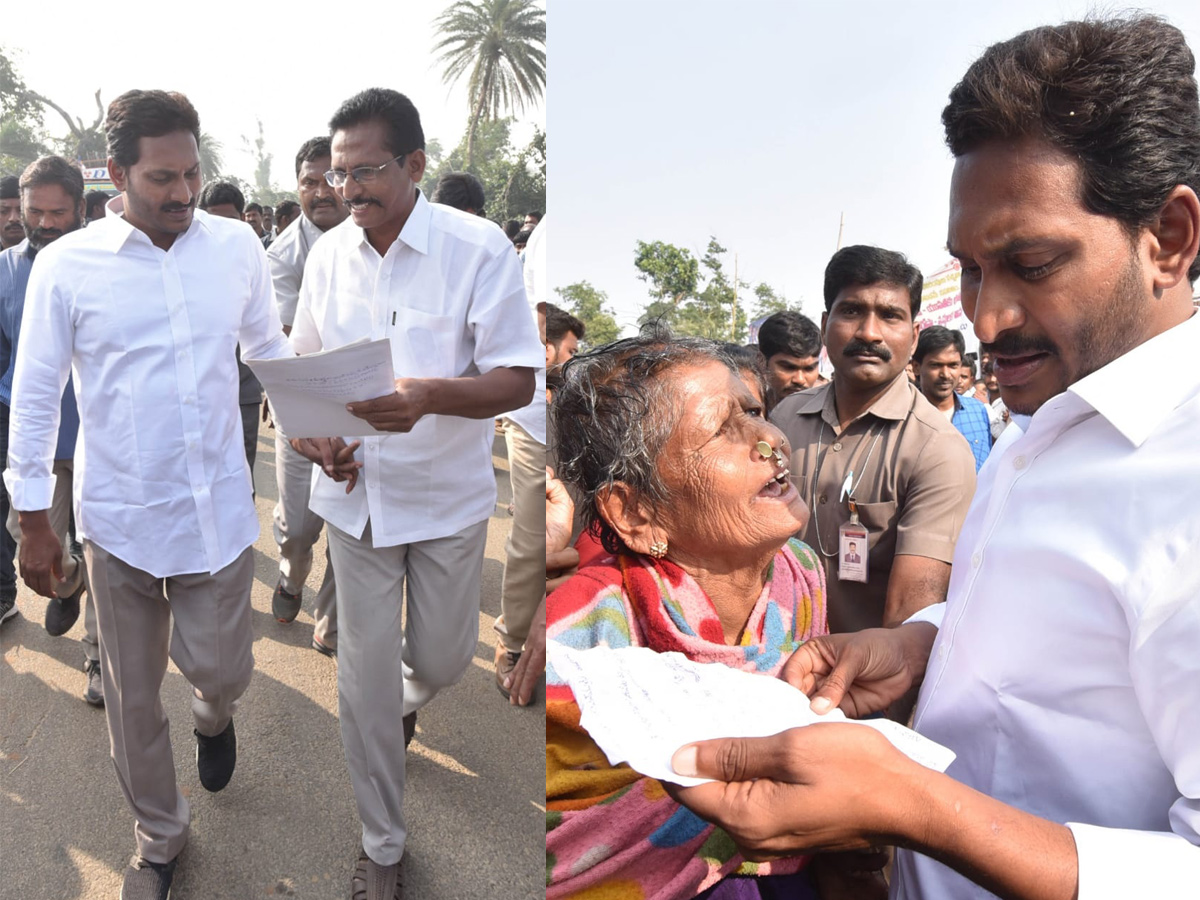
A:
686, 485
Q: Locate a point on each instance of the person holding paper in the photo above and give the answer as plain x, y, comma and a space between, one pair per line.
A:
687, 487
445, 288
1062, 668
147, 306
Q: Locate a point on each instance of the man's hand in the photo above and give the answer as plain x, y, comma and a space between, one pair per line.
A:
532, 664
333, 455
562, 560
41, 553
398, 411
863, 672
835, 786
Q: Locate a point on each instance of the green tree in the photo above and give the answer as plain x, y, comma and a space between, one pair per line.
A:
672, 273
21, 138
502, 43
711, 312
589, 304
514, 181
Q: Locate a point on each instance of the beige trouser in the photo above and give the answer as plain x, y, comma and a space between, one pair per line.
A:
525, 563
296, 530
210, 643
386, 670
74, 570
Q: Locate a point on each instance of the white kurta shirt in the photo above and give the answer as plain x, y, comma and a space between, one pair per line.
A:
150, 335
1066, 672
448, 294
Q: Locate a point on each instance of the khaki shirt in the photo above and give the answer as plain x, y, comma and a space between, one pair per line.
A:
913, 477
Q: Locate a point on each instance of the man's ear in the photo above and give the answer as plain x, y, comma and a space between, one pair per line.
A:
1174, 238
627, 513
118, 175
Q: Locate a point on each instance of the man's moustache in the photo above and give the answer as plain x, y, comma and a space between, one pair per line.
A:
1018, 345
861, 348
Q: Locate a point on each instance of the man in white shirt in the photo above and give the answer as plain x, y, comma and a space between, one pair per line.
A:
297, 527
1063, 670
146, 307
444, 287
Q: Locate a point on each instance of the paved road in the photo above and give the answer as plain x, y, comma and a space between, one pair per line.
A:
286, 825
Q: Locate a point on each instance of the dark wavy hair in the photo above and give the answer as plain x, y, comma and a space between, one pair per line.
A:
864, 265
1119, 95
138, 114
613, 413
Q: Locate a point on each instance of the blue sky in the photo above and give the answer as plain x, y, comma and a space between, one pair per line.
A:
761, 123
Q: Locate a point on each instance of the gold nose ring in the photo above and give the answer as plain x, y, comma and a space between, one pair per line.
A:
766, 451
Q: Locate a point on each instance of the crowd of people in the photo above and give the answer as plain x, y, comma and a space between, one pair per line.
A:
1007, 562
131, 423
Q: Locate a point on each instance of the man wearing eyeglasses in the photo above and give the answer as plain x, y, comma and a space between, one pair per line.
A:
446, 289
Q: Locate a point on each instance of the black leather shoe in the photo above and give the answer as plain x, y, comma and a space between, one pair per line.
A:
324, 649
410, 728
284, 606
94, 695
145, 880
216, 757
62, 613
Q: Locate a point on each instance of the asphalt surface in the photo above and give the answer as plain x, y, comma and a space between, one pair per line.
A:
286, 825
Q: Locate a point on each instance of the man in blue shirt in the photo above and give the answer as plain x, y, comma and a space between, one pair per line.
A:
52, 205
938, 358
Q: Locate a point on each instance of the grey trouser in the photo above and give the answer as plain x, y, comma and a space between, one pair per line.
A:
525, 553
296, 530
74, 570
386, 670
210, 642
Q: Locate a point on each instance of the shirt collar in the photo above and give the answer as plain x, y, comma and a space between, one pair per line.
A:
415, 232
119, 230
895, 403
1118, 390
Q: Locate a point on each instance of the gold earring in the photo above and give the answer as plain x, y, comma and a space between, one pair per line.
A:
658, 549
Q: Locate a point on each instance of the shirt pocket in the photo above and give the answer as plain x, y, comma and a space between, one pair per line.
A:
429, 348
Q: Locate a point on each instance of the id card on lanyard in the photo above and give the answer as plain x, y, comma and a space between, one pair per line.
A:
853, 549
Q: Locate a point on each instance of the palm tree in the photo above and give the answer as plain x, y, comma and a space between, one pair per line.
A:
503, 45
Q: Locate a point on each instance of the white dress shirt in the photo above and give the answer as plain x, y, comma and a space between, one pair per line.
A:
1066, 671
533, 417
287, 255
448, 294
150, 335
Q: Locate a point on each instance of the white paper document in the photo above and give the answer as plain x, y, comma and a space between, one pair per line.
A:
640, 707
309, 393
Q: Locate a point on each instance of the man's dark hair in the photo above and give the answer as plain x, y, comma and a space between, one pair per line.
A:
614, 412
559, 322
54, 170
1117, 95
138, 114
935, 339
462, 190
523, 236
10, 187
218, 193
393, 109
286, 208
535, 214
862, 265
791, 333
93, 199
254, 207
311, 150
512, 228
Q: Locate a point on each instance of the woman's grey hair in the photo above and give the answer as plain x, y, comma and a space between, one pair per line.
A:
613, 414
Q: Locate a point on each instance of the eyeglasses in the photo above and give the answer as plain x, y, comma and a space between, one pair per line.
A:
363, 174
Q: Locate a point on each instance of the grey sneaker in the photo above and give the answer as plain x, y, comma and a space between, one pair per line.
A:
145, 880
94, 695
284, 606
8, 607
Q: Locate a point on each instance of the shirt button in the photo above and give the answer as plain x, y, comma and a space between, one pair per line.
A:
1019, 462
821, 499
976, 560
942, 652
837, 445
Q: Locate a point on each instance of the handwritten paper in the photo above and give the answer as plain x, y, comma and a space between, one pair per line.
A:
309, 393
640, 707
